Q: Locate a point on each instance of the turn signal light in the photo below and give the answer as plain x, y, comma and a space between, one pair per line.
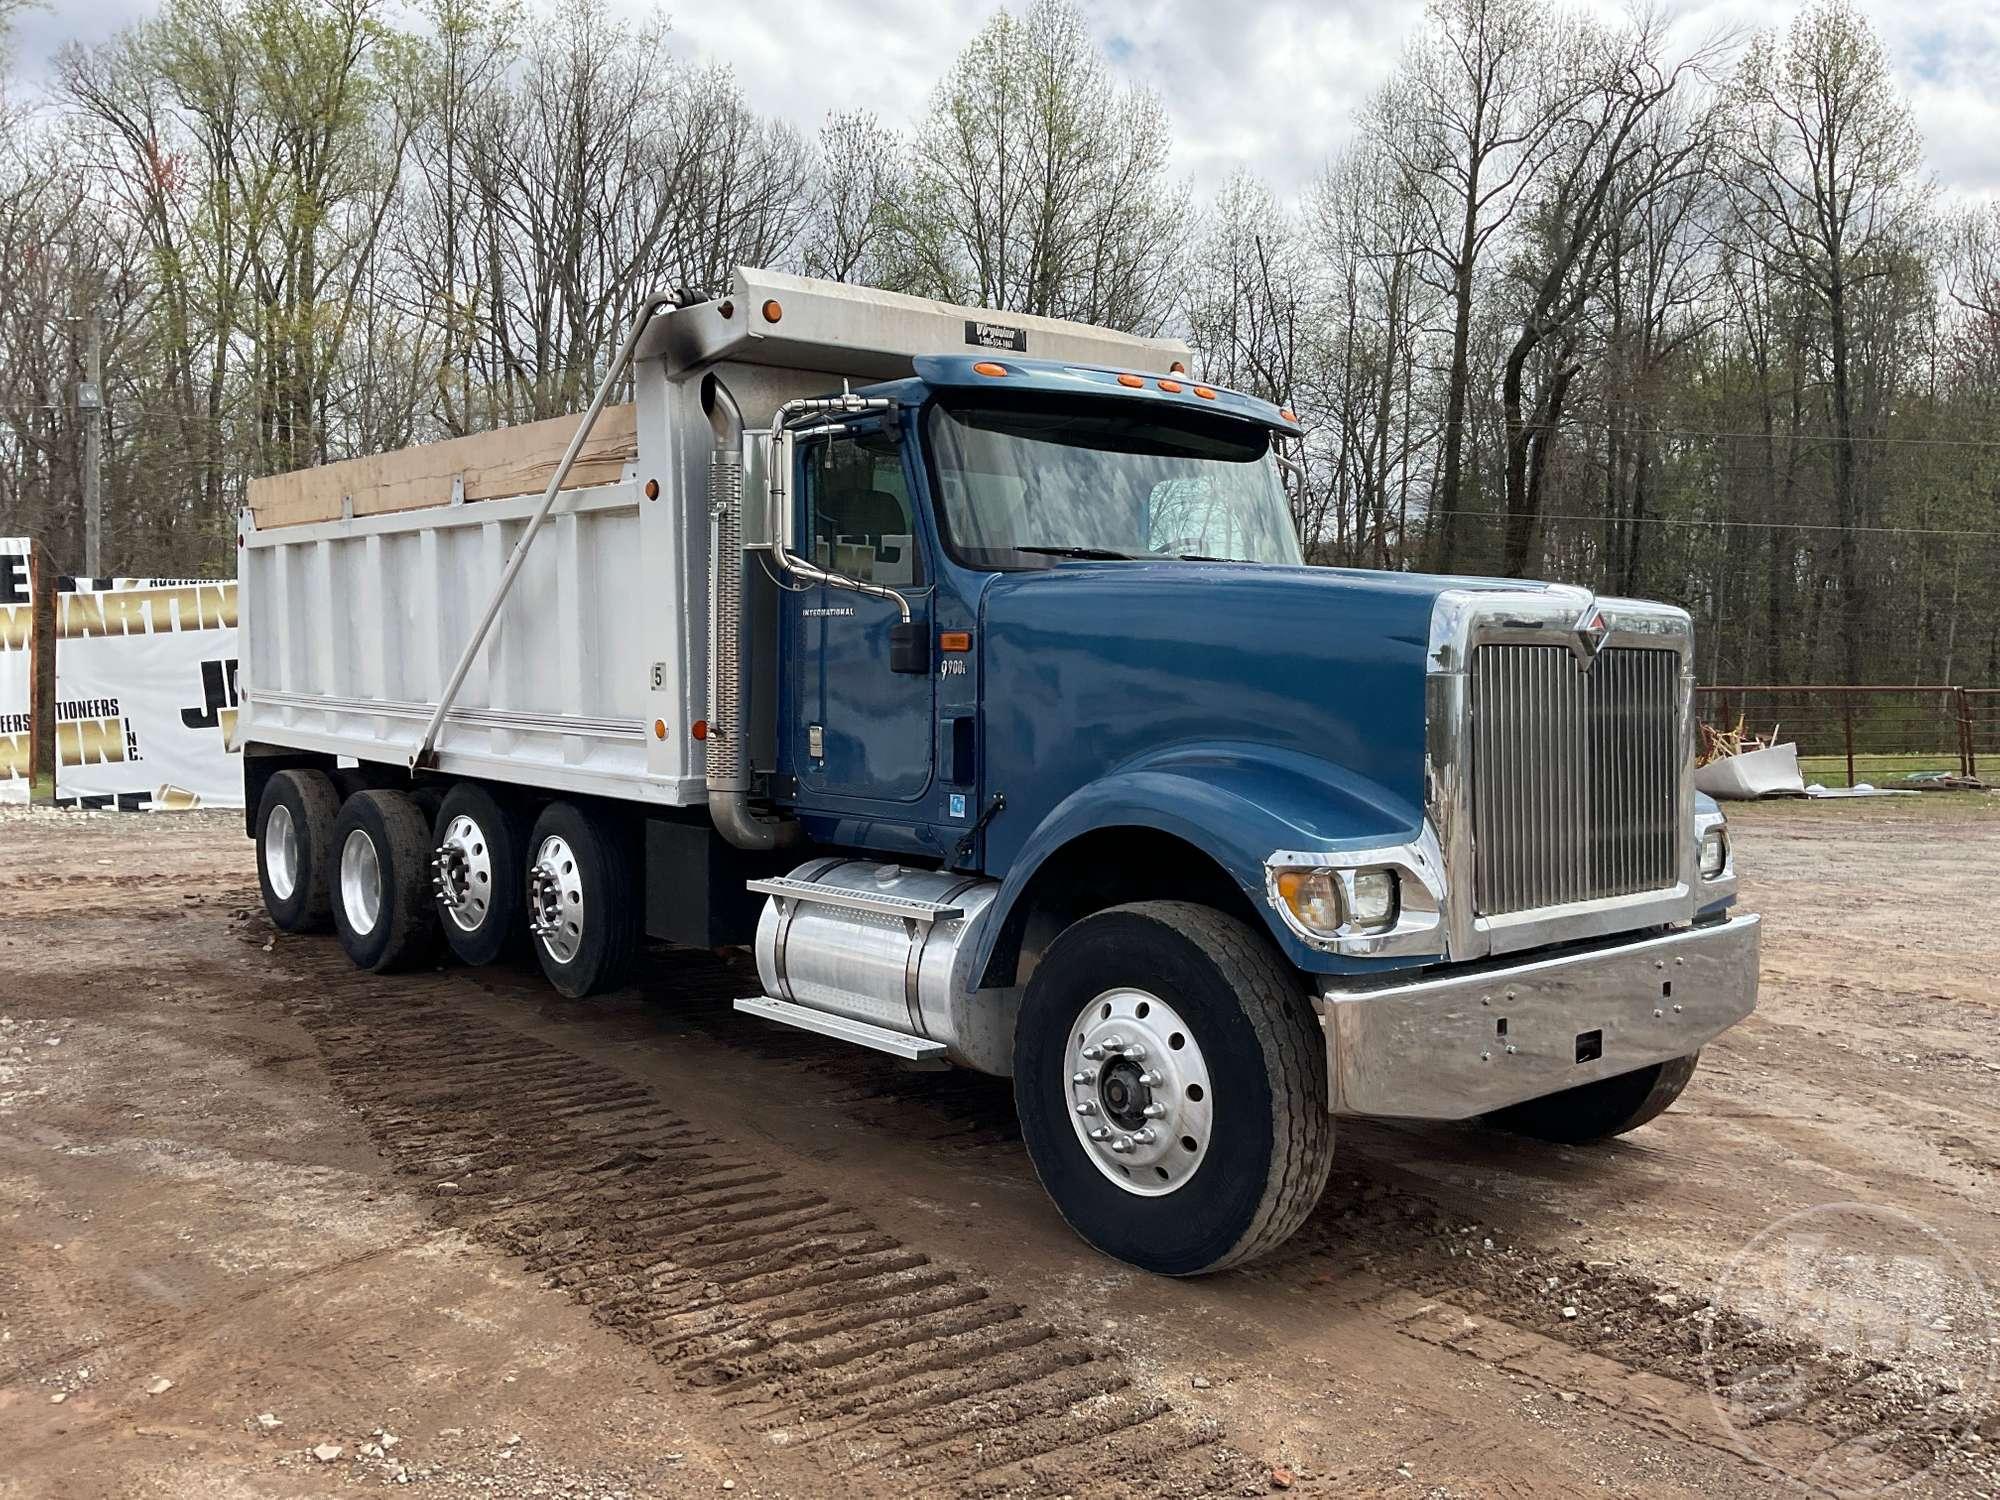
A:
954, 640
987, 367
700, 729
1314, 898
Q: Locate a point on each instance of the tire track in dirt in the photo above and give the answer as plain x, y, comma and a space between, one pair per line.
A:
854, 1353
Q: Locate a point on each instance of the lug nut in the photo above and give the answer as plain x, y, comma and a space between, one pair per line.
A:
1144, 1135
1086, 1108
1151, 1078
1081, 1077
1154, 1111
1122, 1145
1114, 1044
1093, 1054
1135, 1053
1102, 1133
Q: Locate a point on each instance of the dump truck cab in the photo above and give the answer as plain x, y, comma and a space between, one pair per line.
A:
980, 687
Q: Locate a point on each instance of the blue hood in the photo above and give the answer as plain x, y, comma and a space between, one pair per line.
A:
1313, 676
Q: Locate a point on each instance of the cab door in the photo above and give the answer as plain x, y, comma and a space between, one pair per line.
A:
860, 728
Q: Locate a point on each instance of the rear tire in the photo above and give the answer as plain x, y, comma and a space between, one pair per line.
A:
378, 866
478, 881
295, 818
1233, 1062
582, 900
1596, 1111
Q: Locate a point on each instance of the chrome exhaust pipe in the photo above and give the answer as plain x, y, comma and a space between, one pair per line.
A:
728, 742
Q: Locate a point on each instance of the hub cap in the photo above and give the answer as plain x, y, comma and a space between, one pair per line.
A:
1139, 1092
281, 852
462, 874
360, 883
555, 899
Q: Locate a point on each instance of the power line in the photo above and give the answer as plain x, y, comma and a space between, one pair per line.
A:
1935, 531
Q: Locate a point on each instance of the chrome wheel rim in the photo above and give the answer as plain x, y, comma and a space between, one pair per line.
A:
360, 883
462, 874
1139, 1092
281, 852
555, 899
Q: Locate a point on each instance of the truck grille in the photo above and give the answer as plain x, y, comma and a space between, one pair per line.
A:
1575, 775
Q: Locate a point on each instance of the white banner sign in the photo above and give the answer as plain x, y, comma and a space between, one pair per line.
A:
17, 665
146, 695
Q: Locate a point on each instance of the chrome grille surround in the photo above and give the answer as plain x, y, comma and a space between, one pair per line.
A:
1551, 855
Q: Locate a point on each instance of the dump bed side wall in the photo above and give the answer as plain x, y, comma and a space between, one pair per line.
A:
350, 629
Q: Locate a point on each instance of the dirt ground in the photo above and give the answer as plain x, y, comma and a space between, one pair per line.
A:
269, 1227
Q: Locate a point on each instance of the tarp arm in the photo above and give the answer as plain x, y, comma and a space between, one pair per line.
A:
423, 757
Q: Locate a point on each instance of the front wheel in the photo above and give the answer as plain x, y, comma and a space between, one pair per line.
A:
1171, 1085
1595, 1111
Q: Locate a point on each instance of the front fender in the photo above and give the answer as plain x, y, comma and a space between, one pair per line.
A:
1239, 804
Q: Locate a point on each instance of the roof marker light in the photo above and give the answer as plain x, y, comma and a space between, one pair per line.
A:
987, 367
1204, 392
1171, 387
773, 310
1289, 415
1131, 381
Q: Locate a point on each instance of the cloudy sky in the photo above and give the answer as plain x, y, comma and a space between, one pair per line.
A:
1268, 83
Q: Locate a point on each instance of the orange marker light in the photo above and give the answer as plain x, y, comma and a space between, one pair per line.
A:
652, 489
773, 310
954, 640
1289, 416
1132, 381
700, 730
727, 309
659, 729
1172, 387
987, 367
1204, 392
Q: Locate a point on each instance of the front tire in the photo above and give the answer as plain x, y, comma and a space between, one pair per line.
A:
582, 900
1596, 1111
295, 818
1213, 1145
379, 868
478, 879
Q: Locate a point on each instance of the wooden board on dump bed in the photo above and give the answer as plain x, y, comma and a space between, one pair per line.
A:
511, 461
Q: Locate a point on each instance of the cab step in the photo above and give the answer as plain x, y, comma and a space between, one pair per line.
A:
788, 889
843, 1028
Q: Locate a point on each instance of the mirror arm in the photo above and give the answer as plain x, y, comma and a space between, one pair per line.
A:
783, 516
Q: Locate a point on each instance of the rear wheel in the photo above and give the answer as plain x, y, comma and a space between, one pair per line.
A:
1172, 1088
295, 818
379, 867
477, 877
582, 900
1608, 1107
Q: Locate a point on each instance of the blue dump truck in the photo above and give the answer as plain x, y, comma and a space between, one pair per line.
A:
966, 668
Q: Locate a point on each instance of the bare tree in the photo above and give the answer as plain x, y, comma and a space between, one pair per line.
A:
1828, 164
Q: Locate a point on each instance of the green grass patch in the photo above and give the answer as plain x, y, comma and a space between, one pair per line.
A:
1874, 770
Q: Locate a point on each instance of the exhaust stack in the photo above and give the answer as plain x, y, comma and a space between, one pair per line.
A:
728, 743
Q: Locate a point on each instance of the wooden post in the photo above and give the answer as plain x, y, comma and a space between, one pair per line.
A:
41, 673
1847, 722
1968, 759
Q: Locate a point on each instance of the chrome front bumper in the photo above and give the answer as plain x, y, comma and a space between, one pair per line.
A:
1460, 1045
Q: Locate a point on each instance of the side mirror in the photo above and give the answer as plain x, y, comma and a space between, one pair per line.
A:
910, 647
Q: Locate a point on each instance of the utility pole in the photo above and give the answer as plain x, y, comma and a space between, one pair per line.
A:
90, 410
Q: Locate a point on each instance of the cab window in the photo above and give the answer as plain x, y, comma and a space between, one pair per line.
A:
859, 510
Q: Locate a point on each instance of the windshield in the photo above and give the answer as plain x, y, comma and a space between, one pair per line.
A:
1021, 485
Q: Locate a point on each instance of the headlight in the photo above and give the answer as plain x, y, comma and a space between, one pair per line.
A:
1714, 852
1374, 898
1314, 898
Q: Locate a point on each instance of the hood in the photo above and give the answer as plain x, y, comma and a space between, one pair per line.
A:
1089, 667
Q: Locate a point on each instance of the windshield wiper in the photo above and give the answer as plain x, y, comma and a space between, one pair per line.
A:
1101, 554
